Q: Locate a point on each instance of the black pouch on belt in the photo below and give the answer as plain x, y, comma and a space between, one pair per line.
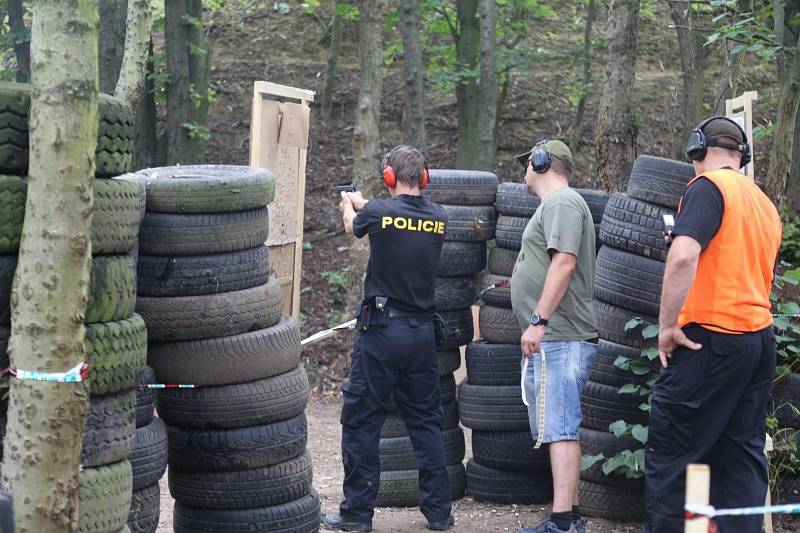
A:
381, 311
439, 329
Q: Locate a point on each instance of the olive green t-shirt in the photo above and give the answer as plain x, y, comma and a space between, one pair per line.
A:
562, 223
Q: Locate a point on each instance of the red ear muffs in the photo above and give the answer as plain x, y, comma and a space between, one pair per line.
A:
390, 180
388, 177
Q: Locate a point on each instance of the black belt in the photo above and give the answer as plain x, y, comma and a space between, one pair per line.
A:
398, 313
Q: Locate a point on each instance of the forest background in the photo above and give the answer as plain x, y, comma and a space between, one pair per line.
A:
471, 82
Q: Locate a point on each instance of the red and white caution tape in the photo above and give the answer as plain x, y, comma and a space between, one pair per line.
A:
324, 334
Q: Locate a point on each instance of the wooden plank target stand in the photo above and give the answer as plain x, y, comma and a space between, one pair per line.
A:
279, 142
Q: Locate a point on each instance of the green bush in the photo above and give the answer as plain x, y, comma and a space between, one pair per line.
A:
790, 247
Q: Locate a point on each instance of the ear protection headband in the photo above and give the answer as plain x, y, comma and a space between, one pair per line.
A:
697, 145
389, 177
540, 157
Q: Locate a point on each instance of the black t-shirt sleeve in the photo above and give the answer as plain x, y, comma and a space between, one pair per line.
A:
364, 221
701, 212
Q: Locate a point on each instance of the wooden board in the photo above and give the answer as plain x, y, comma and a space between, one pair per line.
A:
279, 141
740, 109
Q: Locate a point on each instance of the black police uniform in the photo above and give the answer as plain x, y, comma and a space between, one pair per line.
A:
395, 351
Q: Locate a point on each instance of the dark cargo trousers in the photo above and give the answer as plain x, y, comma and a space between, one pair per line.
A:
399, 357
709, 407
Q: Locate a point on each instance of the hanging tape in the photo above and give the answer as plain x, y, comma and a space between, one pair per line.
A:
542, 395
76, 374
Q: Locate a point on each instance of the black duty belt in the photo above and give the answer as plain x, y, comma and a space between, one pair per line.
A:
399, 313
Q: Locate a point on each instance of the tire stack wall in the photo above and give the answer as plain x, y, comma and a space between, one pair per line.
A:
505, 468
467, 198
116, 338
237, 441
628, 276
785, 394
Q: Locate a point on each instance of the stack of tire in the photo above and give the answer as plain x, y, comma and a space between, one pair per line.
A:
148, 459
237, 440
505, 468
116, 338
467, 198
785, 400
629, 271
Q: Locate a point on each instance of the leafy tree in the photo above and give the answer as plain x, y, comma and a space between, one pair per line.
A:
770, 32
451, 48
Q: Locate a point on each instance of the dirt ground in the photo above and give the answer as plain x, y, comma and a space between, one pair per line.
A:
471, 516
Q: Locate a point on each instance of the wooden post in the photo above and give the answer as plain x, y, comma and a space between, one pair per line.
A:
768, 447
279, 142
740, 109
698, 487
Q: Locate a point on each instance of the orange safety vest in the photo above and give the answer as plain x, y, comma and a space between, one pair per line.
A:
730, 293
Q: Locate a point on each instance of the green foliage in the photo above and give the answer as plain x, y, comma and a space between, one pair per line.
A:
8, 39
347, 11
630, 463
215, 6
440, 27
748, 32
197, 131
790, 246
310, 6
337, 284
787, 327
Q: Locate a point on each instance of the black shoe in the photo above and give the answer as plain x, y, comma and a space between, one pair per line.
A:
335, 522
442, 525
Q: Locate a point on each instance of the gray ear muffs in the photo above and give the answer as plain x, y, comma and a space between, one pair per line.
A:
697, 145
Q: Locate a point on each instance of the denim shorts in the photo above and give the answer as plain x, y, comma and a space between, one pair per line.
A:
567, 369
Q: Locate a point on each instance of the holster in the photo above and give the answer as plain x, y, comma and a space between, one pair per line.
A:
373, 312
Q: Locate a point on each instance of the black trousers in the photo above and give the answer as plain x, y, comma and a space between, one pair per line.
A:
709, 407
399, 357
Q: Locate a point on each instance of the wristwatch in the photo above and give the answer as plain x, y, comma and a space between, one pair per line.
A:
537, 320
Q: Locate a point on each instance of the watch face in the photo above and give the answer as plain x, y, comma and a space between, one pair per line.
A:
535, 319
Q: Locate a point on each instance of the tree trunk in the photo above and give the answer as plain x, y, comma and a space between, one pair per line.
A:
137, 44
413, 72
501, 100
199, 64
45, 419
615, 145
366, 134
178, 102
792, 202
326, 98
780, 154
586, 59
487, 85
22, 47
146, 136
112, 42
693, 63
466, 89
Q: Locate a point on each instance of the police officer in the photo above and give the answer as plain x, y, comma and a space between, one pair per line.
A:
715, 337
395, 350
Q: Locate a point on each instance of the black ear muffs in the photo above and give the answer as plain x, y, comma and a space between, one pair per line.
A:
541, 158
697, 145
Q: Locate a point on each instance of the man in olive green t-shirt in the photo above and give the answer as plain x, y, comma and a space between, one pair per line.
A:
551, 294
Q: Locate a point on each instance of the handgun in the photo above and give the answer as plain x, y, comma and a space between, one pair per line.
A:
345, 187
